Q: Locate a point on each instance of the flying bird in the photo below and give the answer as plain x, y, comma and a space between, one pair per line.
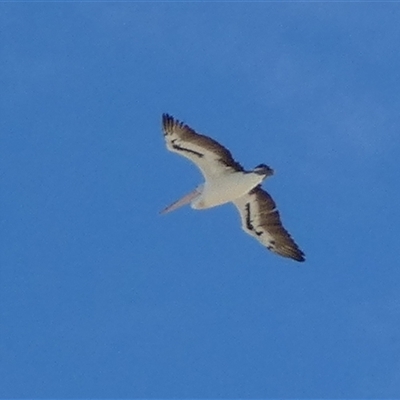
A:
227, 181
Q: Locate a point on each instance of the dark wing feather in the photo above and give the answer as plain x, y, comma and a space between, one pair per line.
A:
261, 219
210, 156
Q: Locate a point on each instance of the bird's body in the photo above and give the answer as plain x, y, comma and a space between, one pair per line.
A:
227, 181
226, 188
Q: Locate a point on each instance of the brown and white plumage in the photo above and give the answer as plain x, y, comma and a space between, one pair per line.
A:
227, 181
212, 158
261, 219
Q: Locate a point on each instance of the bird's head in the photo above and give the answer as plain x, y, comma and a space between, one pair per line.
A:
263, 169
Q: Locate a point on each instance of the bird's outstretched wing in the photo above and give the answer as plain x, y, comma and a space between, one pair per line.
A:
261, 219
210, 157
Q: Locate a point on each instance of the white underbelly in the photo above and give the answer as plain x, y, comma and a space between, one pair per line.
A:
226, 189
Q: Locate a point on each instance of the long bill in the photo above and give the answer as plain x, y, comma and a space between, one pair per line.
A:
181, 202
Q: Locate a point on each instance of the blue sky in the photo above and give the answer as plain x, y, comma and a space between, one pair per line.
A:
103, 297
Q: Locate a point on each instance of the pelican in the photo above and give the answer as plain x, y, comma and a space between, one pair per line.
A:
227, 181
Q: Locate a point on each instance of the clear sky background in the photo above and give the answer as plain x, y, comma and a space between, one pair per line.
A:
101, 296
